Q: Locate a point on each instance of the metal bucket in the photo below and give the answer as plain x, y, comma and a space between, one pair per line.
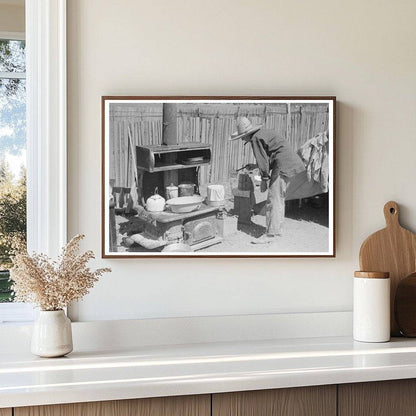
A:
186, 189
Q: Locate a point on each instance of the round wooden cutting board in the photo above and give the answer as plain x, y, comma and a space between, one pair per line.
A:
393, 250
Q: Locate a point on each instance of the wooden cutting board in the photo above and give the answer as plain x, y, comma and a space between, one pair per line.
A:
393, 250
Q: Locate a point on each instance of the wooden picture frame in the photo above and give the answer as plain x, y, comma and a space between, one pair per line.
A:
152, 142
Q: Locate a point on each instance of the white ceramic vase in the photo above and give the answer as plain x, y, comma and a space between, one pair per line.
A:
52, 334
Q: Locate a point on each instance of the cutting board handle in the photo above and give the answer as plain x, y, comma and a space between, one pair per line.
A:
391, 213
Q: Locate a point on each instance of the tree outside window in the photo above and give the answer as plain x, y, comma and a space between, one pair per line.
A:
12, 156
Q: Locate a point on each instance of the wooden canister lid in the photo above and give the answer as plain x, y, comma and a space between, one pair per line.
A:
372, 275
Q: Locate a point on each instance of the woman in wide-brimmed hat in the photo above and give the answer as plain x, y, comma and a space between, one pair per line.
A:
277, 162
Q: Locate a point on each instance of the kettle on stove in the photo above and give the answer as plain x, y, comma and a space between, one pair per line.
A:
155, 203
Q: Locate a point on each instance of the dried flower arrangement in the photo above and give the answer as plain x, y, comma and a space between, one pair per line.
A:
53, 285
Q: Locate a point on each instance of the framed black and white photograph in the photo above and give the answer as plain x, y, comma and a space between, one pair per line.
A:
218, 177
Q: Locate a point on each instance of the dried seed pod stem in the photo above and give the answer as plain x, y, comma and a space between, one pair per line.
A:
53, 285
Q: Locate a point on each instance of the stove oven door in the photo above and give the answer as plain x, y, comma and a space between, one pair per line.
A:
200, 229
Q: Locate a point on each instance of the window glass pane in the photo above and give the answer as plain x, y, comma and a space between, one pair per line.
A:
12, 56
12, 166
13, 120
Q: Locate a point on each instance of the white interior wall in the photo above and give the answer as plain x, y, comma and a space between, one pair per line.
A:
361, 51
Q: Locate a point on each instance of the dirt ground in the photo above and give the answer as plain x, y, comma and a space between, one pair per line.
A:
305, 230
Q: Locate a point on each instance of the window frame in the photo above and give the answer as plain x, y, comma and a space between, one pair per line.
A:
12, 35
46, 137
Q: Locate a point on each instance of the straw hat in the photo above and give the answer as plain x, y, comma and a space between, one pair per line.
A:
244, 127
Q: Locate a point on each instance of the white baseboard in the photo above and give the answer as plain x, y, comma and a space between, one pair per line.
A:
169, 331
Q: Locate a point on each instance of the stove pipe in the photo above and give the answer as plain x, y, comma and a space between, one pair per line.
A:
170, 137
169, 132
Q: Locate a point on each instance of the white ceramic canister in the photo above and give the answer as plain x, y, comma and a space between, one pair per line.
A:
172, 191
371, 305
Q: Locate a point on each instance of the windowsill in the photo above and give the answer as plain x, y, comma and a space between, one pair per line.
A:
16, 313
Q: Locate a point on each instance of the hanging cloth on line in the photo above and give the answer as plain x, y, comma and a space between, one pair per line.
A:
314, 154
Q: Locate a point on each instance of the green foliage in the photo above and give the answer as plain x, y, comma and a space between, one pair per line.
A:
12, 55
12, 214
12, 59
6, 294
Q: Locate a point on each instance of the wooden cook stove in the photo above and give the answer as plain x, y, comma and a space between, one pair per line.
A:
159, 166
